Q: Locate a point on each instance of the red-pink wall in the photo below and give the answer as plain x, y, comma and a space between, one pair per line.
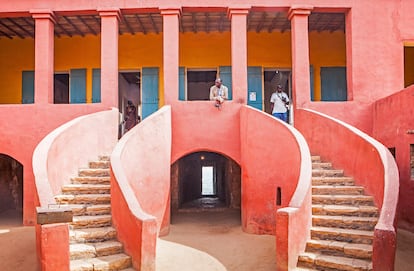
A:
394, 126
23, 127
368, 162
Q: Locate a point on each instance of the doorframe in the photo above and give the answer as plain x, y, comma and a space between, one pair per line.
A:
200, 69
122, 106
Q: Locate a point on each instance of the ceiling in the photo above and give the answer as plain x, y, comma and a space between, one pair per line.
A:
257, 21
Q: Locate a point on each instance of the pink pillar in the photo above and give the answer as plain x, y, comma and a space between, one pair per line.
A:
109, 56
44, 55
170, 53
300, 54
238, 17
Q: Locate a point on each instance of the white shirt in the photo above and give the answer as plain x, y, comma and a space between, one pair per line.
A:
278, 104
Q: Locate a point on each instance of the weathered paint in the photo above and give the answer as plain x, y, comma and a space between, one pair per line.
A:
355, 152
393, 126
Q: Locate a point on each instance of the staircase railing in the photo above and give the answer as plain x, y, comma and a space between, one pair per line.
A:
369, 162
140, 186
56, 158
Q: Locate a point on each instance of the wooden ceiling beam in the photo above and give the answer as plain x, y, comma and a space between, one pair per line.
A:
87, 25
261, 23
5, 34
154, 25
141, 24
69, 21
274, 22
128, 25
31, 34
221, 23
11, 30
194, 21
207, 22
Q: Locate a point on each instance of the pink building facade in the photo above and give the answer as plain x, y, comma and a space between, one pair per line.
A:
350, 60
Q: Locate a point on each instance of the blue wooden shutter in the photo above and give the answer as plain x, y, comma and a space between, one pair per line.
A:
27, 87
78, 86
96, 85
225, 75
181, 84
333, 84
254, 87
149, 86
312, 94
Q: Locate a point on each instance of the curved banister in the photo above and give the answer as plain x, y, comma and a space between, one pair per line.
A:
58, 156
354, 151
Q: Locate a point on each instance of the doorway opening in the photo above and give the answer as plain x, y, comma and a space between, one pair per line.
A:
199, 82
206, 181
61, 88
408, 66
129, 90
272, 78
11, 190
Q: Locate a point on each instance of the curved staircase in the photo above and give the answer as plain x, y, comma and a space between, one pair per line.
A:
343, 221
93, 244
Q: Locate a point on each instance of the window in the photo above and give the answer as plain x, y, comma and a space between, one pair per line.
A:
199, 83
333, 84
61, 88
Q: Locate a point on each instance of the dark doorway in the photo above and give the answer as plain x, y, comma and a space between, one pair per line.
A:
129, 90
61, 88
408, 66
199, 83
11, 188
205, 180
272, 78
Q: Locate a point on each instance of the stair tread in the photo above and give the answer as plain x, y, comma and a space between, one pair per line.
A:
345, 207
111, 262
342, 245
94, 249
338, 186
335, 262
343, 196
92, 235
347, 218
341, 230
84, 186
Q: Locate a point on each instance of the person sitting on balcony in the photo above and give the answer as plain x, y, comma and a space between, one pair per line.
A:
279, 102
218, 93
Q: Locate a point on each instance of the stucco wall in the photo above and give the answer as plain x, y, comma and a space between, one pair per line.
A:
393, 124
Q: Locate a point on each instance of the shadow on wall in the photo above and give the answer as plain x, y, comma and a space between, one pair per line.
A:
11, 184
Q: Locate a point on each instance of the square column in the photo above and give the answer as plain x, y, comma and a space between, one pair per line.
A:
109, 56
170, 33
238, 17
44, 55
300, 54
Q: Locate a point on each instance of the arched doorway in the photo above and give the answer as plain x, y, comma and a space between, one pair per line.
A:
205, 180
11, 189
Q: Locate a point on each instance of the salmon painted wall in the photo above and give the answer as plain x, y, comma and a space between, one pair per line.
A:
392, 128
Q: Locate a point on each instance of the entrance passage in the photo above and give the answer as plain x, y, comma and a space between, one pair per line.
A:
129, 90
11, 188
205, 180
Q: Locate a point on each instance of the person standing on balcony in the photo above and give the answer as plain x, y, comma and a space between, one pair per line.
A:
130, 116
279, 102
218, 93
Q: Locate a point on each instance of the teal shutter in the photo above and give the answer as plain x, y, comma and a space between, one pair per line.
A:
96, 85
181, 84
333, 84
78, 86
312, 94
27, 87
225, 75
254, 87
149, 85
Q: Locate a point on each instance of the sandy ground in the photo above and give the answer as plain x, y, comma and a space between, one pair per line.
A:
213, 238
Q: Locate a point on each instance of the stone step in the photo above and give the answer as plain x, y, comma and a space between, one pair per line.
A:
84, 199
345, 222
91, 221
88, 209
345, 210
94, 172
315, 158
128, 269
99, 164
91, 180
343, 249
92, 235
76, 189
327, 262
332, 181
105, 263
91, 250
321, 165
343, 200
327, 173
343, 235
337, 190
104, 158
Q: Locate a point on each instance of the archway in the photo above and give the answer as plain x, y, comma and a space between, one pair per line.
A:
11, 189
205, 181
